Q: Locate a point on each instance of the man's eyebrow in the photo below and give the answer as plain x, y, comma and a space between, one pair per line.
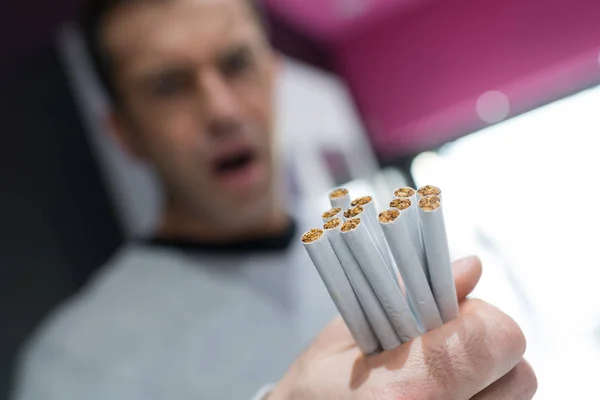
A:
156, 73
235, 51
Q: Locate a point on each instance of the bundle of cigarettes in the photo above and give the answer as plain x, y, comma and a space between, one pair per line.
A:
389, 274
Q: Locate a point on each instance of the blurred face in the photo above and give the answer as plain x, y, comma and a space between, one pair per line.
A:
195, 80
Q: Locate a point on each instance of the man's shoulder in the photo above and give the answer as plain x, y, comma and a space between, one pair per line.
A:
119, 322
115, 305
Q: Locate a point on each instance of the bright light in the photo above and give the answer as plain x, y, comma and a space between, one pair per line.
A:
493, 106
522, 194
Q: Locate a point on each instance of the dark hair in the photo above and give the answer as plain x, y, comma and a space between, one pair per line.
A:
91, 20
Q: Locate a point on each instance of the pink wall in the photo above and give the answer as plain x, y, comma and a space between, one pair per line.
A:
417, 68
333, 20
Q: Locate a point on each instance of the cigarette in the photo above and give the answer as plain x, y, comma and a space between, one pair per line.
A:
368, 205
325, 260
428, 190
408, 208
380, 244
401, 204
335, 212
353, 212
340, 197
435, 241
395, 228
363, 248
364, 292
405, 192
365, 202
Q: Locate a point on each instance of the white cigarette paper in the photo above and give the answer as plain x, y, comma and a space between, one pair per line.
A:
325, 260
335, 212
435, 241
368, 205
395, 228
360, 211
364, 292
409, 208
340, 197
410, 194
363, 248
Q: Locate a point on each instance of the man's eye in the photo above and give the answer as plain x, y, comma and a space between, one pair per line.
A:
236, 64
169, 86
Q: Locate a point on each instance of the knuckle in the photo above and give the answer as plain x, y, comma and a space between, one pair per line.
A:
502, 338
448, 366
439, 363
477, 352
510, 339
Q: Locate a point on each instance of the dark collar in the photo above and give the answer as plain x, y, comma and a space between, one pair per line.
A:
265, 244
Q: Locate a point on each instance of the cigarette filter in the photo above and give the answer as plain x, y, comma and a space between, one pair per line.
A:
395, 228
359, 211
340, 198
359, 241
364, 292
435, 241
325, 260
409, 208
335, 212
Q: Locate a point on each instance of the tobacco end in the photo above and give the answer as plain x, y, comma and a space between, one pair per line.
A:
430, 203
353, 212
405, 192
429, 190
401, 203
332, 224
388, 216
350, 224
362, 201
337, 193
312, 236
332, 213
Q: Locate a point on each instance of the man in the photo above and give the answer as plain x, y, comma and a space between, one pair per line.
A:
222, 299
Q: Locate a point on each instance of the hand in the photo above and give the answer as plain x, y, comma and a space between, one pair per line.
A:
478, 356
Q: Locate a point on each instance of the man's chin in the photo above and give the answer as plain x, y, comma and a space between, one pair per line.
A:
256, 211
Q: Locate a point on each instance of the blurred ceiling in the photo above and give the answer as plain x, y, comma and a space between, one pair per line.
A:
421, 72
28, 26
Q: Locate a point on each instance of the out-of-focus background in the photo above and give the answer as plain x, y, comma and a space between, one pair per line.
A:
495, 101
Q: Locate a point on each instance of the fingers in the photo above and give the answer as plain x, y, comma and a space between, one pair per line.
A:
469, 354
467, 272
463, 357
519, 384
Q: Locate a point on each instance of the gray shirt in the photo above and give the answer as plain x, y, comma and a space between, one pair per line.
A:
166, 323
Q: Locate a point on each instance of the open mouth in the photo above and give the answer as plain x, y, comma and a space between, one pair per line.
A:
234, 163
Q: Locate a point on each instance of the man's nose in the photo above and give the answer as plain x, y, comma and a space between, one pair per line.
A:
219, 100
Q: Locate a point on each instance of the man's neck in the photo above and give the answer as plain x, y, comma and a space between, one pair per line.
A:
175, 224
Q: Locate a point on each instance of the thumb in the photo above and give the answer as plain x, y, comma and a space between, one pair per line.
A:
467, 272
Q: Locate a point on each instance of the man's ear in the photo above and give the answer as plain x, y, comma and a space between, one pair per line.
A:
123, 133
